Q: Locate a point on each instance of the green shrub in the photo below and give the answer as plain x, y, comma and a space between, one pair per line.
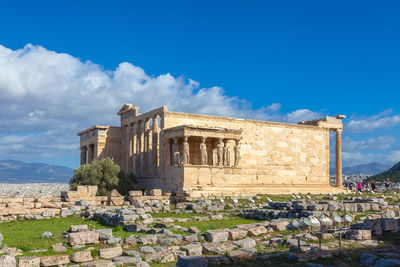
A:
104, 173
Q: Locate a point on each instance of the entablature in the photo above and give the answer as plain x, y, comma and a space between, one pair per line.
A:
206, 132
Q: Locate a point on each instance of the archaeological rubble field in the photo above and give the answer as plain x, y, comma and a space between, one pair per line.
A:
80, 228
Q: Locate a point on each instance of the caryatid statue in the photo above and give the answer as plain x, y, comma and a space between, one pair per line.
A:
237, 153
175, 152
220, 152
185, 151
203, 151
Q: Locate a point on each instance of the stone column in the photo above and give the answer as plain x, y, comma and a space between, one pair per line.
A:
203, 152
126, 149
237, 153
130, 143
134, 148
146, 147
185, 150
141, 147
220, 152
90, 153
155, 144
339, 178
83, 155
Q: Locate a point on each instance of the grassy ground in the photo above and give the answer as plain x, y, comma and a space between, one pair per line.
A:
27, 234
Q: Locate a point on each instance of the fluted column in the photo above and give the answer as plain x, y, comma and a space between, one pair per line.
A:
339, 179
146, 147
134, 148
126, 149
141, 147
155, 145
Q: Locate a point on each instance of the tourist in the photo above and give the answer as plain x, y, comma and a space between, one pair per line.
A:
346, 185
351, 186
373, 186
387, 185
360, 186
367, 187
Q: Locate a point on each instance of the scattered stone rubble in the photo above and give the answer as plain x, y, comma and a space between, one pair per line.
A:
161, 240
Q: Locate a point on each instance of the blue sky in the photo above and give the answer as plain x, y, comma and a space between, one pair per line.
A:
269, 60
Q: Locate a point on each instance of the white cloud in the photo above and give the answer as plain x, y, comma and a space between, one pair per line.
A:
357, 157
378, 143
365, 124
274, 107
47, 97
302, 115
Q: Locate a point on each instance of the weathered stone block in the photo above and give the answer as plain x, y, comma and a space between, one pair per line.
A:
98, 263
217, 248
245, 243
59, 247
29, 261
54, 260
193, 249
155, 192
361, 207
7, 261
147, 239
191, 238
109, 253
237, 234
104, 234
126, 260
78, 228
358, 234
279, 225
257, 230
83, 238
217, 236
82, 256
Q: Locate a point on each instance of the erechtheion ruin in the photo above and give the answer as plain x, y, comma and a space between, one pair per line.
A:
200, 155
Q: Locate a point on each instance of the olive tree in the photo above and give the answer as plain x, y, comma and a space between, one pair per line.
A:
104, 173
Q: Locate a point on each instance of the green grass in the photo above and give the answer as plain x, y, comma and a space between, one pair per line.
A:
27, 234
203, 226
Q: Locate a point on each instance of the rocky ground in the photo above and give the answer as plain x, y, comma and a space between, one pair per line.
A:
319, 230
32, 190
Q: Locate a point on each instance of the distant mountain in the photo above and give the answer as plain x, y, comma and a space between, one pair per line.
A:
18, 172
370, 168
393, 174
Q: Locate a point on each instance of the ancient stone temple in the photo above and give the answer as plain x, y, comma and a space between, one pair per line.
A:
201, 155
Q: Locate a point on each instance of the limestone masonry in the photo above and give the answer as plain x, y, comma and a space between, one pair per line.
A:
192, 155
